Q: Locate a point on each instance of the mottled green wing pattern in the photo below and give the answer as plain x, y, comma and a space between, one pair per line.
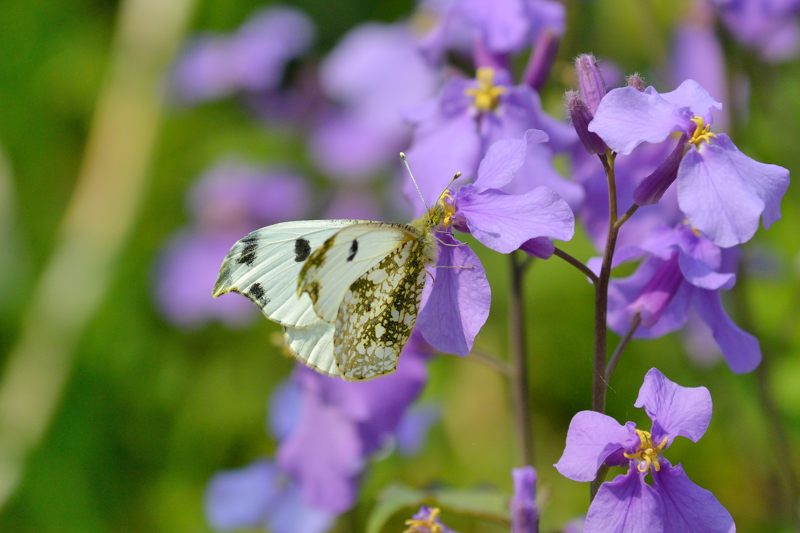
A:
378, 312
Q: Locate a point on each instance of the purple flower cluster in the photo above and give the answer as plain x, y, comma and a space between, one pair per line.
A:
627, 503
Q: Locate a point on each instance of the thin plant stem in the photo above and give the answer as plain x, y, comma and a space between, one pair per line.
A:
495, 363
577, 263
519, 361
623, 343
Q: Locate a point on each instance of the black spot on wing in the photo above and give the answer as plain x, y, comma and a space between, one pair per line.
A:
248, 254
257, 294
302, 249
353, 250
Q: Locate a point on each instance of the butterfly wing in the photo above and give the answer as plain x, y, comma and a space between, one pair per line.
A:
313, 346
378, 312
265, 264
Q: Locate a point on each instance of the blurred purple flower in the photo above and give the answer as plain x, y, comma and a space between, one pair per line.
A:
426, 520
627, 503
453, 132
501, 27
252, 59
260, 495
682, 270
230, 200
342, 423
771, 27
374, 75
413, 429
723, 192
524, 512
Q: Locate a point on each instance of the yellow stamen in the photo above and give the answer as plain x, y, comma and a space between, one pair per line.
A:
486, 95
647, 453
426, 525
702, 132
448, 208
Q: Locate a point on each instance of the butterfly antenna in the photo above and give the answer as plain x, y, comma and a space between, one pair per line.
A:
404, 159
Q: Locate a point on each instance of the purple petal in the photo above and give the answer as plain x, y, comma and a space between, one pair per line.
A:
413, 428
504, 159
325, 469
723, 192
674, 410
502, 24
741, 350
285, 405
459, 300
628, 117
624, 505
504, 221
241, 498
540, 247
687, 507
290, 514
524, 513
591, 438
693, 96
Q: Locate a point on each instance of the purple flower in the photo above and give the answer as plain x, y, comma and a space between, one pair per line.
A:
524, 513
501, 27
457, 304
413, 428
374, 76
340, 424
454, 132
426, 520
723, 192
230, 200
627, 503
682, 270
257, 496
768, 26
251, 60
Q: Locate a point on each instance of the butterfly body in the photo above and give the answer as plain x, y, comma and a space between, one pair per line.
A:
347, 292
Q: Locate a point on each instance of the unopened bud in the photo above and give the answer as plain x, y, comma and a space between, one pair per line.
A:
590, 81
541, 62
635, 81
580, 116
653, 187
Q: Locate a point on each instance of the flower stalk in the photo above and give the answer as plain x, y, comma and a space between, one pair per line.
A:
519, 362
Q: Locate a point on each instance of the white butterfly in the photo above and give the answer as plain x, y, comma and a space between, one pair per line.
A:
347, 292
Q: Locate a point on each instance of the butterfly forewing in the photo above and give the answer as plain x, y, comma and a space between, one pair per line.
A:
342, 259
265, 265
378, 312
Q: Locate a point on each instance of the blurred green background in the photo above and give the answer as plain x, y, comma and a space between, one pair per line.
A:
149, 412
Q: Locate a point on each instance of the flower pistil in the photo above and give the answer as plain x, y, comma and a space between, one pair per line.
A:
486, 95
647, 453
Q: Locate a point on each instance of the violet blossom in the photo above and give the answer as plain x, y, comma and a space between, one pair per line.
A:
454, 132
231, 199
682, 271
373, 77
672, 502
524, 512
426, 520
459, 297
771, 27
723, 192
252, 59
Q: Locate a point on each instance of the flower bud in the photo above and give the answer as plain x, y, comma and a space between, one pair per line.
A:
580, 116
590, 81
635, 81
542, 59
656, 184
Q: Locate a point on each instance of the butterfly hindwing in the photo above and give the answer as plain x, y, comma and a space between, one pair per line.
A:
378, 312
313, 346
344, 257
265, 264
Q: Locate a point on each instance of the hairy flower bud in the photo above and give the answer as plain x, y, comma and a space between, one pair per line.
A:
635, 81
590, 81
581, 116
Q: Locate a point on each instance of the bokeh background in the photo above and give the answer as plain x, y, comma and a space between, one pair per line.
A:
117, 406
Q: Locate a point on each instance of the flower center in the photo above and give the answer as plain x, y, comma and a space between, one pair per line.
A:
427, 524
486, 95
702, 132
647, 453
